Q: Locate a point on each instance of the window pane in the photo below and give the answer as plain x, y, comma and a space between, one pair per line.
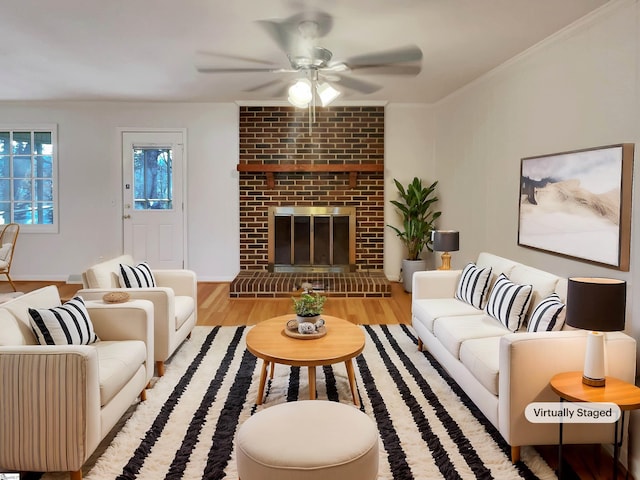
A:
22, 190
42, 143
22, 167
5, 141
153, 178
22, 213
4, 166
5, 212
43, 166
44, 190
5, 190
22, 142
43, 214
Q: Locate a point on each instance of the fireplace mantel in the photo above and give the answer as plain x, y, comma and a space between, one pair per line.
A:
270, 168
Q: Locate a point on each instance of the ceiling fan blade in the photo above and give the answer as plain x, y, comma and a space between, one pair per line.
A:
263, 85
242, 70
410, 53
357, 84
279, 33
234, 57
389, 69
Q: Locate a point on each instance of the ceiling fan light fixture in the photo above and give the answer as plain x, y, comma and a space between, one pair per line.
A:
300, 93
327, 93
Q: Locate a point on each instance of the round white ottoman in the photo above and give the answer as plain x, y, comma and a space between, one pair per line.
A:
310, 440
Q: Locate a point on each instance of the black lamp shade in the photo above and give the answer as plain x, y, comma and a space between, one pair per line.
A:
446, 241
596, 304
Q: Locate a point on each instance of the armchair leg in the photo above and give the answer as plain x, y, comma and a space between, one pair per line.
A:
11, 282
420, 345
77, 475
143, 395
160, 368
515, 454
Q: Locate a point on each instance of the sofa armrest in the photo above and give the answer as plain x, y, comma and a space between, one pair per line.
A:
132, 320
529, 360
49, 407
183, 282
435, 283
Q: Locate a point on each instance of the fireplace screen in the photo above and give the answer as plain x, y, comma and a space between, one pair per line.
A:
312, 238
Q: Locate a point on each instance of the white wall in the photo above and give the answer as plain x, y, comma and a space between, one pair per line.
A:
90, 184
409, 153
578, 89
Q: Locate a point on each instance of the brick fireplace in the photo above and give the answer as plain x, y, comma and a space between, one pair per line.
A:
339, 164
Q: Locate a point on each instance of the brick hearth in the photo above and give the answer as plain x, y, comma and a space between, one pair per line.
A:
263, 284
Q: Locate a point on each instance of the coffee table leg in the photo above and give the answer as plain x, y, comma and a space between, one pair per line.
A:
312, 383
263, 381
273, 364
351, 374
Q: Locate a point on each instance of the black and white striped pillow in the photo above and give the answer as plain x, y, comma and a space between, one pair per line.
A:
548, 315
508, 302
473, 285
139, 276
68, 324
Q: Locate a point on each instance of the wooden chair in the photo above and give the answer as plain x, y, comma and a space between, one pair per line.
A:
8, 238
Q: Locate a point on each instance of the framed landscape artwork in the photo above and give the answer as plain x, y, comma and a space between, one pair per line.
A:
578, 204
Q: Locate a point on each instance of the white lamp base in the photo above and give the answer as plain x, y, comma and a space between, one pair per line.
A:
593, 374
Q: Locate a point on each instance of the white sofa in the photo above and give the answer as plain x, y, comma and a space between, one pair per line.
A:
174, 301
58, 402
502, 371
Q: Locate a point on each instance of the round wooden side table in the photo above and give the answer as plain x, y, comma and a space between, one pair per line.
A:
569, 387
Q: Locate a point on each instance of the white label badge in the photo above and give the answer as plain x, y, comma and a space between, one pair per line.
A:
572, 412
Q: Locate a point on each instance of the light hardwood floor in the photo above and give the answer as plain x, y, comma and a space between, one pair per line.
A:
216, 308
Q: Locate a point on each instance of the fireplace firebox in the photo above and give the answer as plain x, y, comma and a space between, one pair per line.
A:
311, 239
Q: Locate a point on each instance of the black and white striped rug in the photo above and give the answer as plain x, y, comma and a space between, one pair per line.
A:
428, 429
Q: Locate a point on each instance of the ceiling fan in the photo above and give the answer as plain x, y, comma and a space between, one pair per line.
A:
313, 66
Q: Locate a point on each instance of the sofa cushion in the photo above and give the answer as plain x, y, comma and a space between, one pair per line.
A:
473, 285
426, 310
481, 356
548, 315
68, 324
118, 361
139, 276
497, 264
184, 308
508, 302
453, 331
543, 282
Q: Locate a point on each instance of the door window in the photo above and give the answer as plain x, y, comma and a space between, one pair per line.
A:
153, 178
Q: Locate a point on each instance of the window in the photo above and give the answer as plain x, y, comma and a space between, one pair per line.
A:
28, 186
153, 178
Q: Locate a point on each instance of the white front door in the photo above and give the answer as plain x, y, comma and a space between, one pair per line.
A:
153, 206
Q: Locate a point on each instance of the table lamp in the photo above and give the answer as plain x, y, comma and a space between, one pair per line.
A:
598, 305
446, 241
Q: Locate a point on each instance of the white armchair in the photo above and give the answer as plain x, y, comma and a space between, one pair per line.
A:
58, 402
174, 301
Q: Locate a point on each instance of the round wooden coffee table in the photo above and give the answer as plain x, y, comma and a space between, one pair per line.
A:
342, 343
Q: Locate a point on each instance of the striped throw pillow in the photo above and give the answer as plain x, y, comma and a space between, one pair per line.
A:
139, 276
508, 302
68, 324
473, 285
548, 315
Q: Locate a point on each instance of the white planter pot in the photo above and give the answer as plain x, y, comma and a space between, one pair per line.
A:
409, 267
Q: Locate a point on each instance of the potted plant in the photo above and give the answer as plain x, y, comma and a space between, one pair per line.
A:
308, 306
418, 220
